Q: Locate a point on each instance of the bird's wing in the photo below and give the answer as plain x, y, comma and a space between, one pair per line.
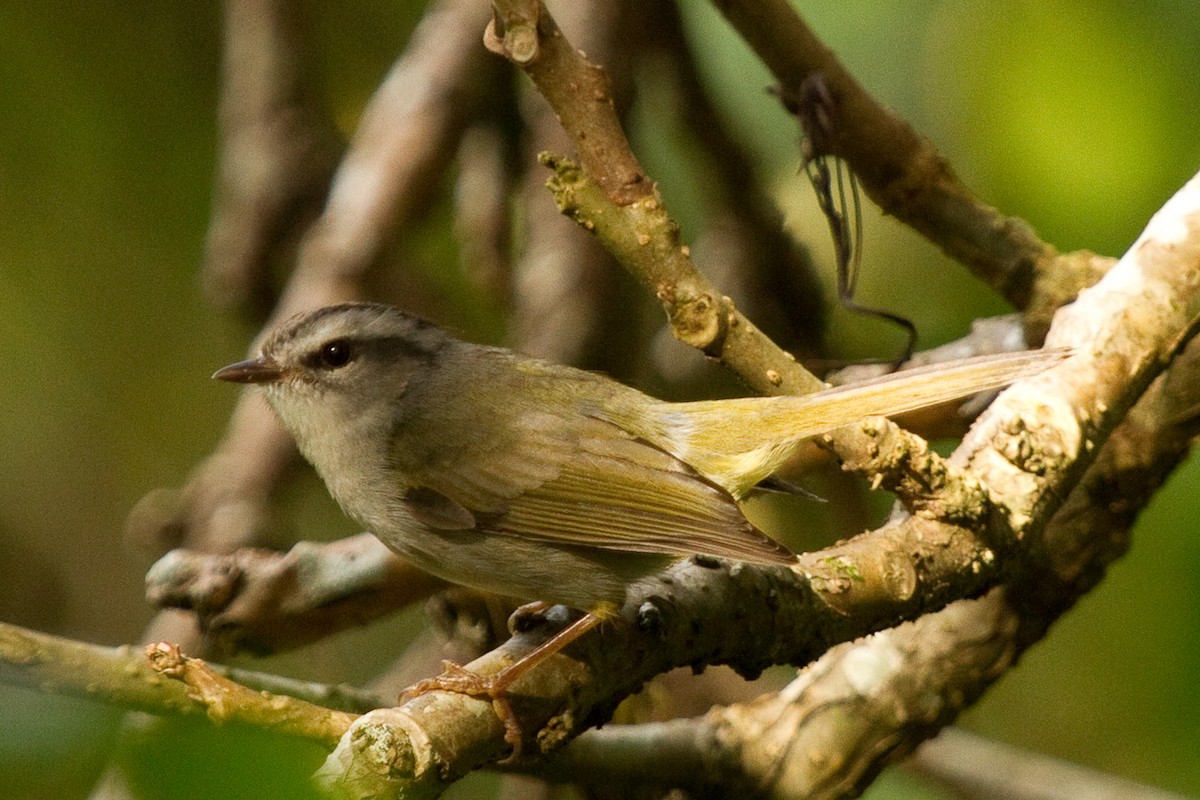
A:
585, 482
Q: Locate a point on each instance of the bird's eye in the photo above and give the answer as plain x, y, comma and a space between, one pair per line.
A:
334, 353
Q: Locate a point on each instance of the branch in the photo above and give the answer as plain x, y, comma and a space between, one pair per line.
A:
1035, 443
820, 735
629, 220
579, 92
697, 754
223, 700
124, 677
278, 152
483, 217
263, 601
976, 768
899, 169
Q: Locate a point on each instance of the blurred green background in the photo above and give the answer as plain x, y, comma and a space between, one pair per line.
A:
1077, 115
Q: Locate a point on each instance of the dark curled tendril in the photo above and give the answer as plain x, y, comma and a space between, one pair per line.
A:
816, 107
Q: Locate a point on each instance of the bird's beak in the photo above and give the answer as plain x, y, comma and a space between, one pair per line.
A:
254, 370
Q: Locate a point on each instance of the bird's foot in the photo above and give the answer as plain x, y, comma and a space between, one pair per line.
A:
459, 679
455, 678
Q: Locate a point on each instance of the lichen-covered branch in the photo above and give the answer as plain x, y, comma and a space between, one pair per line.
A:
1034, 444
977, 640
127, 677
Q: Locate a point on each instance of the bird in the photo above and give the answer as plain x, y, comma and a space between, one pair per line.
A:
518, 476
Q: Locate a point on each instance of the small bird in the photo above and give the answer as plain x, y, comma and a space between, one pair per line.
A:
521, 477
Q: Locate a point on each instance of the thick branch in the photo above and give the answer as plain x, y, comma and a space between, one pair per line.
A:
1035, 443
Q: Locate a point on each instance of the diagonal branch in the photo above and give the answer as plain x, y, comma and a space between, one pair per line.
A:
123, 676
638, 231
906, 176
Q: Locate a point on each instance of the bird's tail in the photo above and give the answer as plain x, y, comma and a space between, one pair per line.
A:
739, 442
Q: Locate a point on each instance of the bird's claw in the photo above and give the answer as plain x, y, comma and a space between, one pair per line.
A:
459, 679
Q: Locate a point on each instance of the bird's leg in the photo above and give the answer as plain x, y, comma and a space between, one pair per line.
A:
455, 678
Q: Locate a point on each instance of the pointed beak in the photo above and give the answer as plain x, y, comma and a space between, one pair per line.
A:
254, 370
